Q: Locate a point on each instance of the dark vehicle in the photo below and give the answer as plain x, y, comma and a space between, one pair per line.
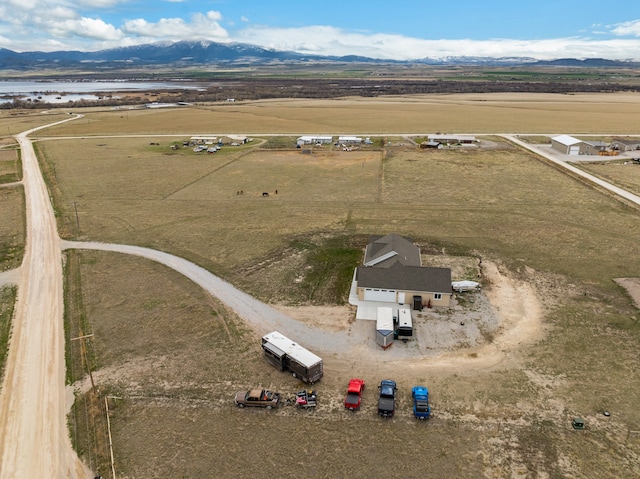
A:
257, 398
421, 407
306, 399
354, 394
387, 399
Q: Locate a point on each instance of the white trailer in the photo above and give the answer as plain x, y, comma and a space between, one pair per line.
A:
384, 327
461, 286
404, 330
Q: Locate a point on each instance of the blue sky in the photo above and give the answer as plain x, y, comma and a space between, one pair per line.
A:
404, 29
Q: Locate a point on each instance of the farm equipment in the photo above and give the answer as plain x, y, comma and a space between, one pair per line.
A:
306, 399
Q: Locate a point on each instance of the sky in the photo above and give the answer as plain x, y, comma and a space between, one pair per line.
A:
401, 29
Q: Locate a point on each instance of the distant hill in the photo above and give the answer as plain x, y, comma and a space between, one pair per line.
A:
587, 62
187, 53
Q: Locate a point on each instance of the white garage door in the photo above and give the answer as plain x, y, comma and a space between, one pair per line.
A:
574, 150
385, 295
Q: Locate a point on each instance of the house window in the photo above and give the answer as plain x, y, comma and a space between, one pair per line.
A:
437, 295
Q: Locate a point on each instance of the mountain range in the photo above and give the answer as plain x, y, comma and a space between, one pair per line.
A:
187, 53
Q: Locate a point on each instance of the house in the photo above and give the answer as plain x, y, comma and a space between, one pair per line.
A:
392, 272
234, 140
568, 145
452, 139
314, 140
625, 144
204, 140
594, 147
349, 140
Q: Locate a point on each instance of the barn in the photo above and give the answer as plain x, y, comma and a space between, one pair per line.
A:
568, 145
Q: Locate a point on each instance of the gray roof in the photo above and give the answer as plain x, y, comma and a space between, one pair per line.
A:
405, 278
385, 251
626, 141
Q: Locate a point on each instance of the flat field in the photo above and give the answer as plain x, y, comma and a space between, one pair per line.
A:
12, 227
473, 113
173, 357
623, 173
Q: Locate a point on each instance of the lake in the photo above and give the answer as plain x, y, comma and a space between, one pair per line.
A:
66, 91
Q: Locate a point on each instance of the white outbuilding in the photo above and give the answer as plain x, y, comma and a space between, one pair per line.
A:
566, 144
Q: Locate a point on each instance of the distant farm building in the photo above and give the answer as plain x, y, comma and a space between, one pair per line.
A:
452, 139
594, 147
349, 140
234, 140
218, 140
430, 145
204, 140
567, 145
313, 140
625, 144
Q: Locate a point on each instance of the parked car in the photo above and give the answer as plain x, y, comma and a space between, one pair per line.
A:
257, 398
387, 398
421, 407
354, 394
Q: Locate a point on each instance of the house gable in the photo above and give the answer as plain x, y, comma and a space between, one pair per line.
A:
385, 251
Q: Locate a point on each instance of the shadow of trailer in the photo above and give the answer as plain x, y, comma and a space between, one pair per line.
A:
286, 355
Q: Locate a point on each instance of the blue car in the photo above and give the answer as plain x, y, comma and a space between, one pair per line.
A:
421, 407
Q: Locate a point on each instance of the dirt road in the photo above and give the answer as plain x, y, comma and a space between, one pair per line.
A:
34, 439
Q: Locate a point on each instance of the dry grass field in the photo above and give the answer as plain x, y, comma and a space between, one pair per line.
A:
474, 113
12, 227
171, 357
623, 173
17, 121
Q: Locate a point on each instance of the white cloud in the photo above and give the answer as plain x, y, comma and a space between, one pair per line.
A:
100, 3
201, 26
631, 28
323, 40
86, 28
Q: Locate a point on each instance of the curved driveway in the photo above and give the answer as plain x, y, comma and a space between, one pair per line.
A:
262, 317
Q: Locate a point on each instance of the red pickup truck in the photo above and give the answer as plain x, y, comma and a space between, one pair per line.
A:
354, 394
